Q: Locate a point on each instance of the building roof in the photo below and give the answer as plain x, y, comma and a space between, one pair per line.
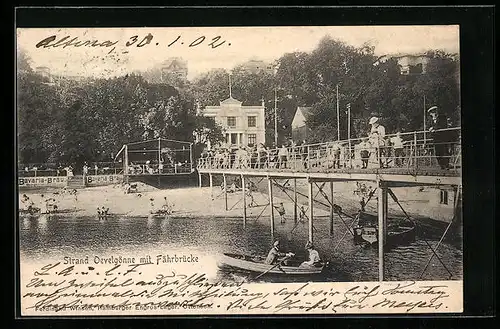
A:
306, 110
230, 101
301, 116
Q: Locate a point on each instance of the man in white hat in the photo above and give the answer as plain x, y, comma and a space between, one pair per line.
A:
441, 138
275, 255
377, 135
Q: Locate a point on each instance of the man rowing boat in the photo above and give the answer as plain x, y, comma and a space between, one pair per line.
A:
275, 256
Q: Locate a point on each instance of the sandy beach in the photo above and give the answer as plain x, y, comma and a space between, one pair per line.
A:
185, 202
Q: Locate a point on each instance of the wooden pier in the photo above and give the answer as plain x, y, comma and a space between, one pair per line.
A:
385, 179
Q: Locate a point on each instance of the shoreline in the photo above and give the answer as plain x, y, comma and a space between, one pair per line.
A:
194, 201
185, 202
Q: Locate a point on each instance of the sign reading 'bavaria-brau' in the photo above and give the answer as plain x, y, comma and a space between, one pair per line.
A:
43, 181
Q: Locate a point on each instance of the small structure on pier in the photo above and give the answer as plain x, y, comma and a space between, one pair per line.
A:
156, 157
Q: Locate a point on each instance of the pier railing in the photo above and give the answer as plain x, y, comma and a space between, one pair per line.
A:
409, 152
55, 170
143, 168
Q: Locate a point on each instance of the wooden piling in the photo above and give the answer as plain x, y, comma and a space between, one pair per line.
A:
331, 208
125, 164
225, 191
295, 200
243, 191
382, 228
211, 185
311, 211
271, 205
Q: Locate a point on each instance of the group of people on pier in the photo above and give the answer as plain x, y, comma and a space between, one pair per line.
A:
376, 150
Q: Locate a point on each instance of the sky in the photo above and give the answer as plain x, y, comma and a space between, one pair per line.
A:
200, 45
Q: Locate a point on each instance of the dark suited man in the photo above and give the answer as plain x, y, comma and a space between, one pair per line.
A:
442, 139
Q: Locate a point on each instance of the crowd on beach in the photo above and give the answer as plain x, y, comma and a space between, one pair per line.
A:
376, 150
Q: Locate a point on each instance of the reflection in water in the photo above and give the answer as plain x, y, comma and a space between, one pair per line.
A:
42, 223
61, 235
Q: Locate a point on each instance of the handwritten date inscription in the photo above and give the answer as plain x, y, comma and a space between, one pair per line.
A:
137, 41
155, 289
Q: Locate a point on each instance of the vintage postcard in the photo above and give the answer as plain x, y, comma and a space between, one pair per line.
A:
239, 170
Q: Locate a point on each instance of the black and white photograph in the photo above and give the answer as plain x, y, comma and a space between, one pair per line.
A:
239, 170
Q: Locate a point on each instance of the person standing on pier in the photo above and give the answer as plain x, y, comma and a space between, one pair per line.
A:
441, 139
303, 154
283, 157
364, 153
397, 145
377, 135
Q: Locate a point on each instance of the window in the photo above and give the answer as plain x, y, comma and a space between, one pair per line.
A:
233, 138
252, 139
231, 121
252, 121
444, 197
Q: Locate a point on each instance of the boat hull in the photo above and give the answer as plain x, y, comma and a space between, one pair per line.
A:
255, 264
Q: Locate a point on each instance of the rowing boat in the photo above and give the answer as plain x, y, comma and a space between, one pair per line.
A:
398, 233
256, 264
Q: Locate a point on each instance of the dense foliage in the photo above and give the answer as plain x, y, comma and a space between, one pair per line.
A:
89, 120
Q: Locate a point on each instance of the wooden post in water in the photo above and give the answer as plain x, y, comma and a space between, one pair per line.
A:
331, 208
382, 227
311, 211
271, 205
125, 160
295, 200
211, 185
225, 191
243, 191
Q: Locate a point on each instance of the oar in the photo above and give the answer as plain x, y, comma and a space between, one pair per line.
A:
278, 264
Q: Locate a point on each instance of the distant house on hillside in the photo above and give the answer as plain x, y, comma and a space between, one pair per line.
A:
300, 131
254, 66
174, 66
409, 64
172, 71
44, 71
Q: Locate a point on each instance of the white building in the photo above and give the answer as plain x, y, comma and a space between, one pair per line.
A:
242, 125
409, 64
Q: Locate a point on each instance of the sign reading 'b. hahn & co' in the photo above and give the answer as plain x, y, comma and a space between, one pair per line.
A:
94, 180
